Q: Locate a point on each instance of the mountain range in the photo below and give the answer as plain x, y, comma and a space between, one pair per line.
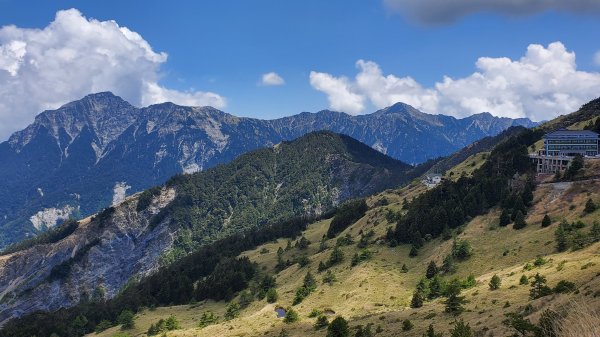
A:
302, 178
88, 154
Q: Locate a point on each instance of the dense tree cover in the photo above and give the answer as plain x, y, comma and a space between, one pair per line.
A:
214, 267
52, 235
145, 198
347, 214
292, 179
451, 203
572, 235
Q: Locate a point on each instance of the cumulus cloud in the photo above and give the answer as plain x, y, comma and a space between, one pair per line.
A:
543, 83
340, 91
74, 56
444, 11
272, 79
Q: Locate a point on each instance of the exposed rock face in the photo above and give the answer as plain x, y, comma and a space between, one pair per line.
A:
75, 155
111, 252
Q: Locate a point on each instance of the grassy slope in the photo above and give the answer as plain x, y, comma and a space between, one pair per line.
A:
377, 292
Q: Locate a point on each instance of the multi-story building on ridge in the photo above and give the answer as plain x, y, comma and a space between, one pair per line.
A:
565, 142
561, 146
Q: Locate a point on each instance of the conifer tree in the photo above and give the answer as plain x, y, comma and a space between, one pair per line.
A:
432, 270
495, 282
519, 221
590, 206
504, 218
546, 221
454, 302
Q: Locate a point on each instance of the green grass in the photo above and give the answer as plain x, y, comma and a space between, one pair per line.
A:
376, 291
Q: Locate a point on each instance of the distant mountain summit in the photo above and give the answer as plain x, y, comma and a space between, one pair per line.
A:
90, 153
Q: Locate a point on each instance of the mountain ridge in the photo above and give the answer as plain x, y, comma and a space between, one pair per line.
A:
78, 159
300, 178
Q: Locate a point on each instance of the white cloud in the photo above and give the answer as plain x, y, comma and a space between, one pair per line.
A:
540, 85
443, 11
339, 91
272, 79
74, 56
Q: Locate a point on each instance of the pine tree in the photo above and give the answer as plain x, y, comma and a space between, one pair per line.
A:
590, 206
404, 268
495, 282
504, 218
432, 270
539, 287
461, 330
338, 328
310, 282
454, 302
519, 221
431, 332
546, 221
436, 287
561, 238
414, 251
417, 299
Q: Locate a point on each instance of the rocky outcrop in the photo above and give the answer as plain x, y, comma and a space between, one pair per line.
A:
100, 254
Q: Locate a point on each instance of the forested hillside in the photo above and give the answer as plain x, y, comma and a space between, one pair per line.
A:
302, 178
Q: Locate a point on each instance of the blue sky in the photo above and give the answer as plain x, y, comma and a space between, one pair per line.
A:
225, 46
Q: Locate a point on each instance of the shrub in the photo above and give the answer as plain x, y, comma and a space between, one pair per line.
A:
126, 319
291, 316
329, 278
495, 282
337, 256
315, 313
461, 330
407, 325
103, 325
338, 328
207, 318
523, 280
564, 287
461, 249
364, 331
272, 295
321, 322
233, 311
